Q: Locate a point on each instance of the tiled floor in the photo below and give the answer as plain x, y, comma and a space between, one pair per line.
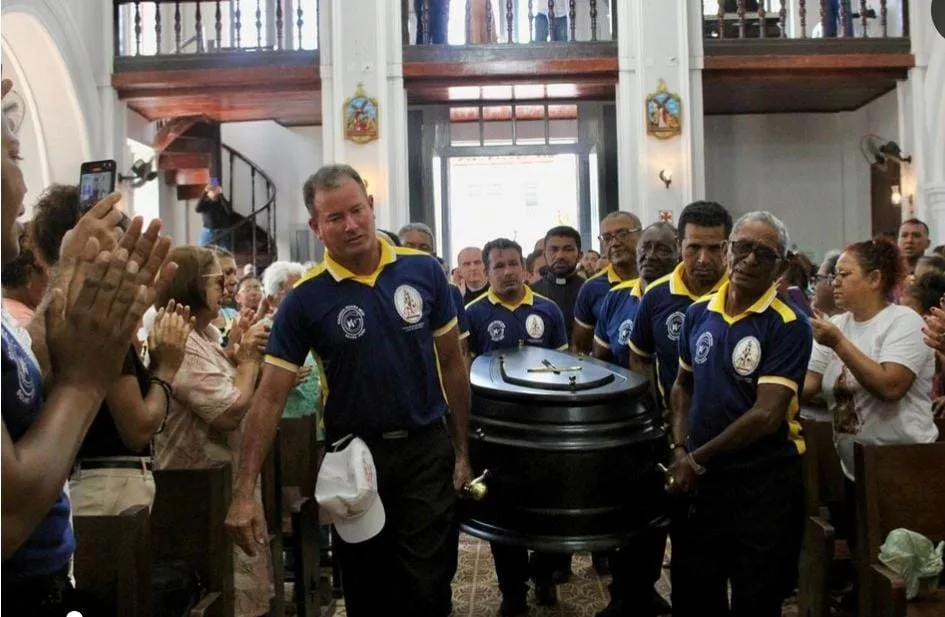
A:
476, 594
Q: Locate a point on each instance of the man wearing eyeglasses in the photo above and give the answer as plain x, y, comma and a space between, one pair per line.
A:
619, 234
736, 442
635, 568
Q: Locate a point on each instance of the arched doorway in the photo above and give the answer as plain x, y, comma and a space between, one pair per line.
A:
54, 135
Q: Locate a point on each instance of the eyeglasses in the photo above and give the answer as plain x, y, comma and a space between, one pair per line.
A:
220, 279
822, 278
742, 248
620, 234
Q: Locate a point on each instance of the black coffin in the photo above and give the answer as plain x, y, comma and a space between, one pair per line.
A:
571, 445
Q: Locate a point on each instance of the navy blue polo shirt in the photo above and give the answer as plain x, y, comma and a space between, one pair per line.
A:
52, 543
535, 321
591, 296
461, 322
730, 356
655, 333
617, 314
374, 336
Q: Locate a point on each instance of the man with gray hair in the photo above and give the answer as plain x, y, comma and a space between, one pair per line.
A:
305, 399
736, 441
418, 236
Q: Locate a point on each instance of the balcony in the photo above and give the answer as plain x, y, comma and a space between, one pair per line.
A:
230, 61
480, 51
777, 56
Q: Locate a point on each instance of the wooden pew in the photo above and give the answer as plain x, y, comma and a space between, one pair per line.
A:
823, 486
113, 560
300, 455
897, 486
187, 524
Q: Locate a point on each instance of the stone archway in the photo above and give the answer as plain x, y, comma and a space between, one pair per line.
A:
40, 56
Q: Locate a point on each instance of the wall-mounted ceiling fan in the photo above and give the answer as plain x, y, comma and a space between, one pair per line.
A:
141, 173
876, 149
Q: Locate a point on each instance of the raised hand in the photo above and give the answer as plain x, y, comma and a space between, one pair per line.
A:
87, 343
167, 341
253, 345
825, 332
934, 330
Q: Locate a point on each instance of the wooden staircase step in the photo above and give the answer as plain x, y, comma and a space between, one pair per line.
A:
183, 160
190, 191
173, 129
192, 176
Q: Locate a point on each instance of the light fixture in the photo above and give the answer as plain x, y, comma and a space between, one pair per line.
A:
896, 196
666, 175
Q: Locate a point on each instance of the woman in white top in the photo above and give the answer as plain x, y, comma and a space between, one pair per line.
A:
870, 362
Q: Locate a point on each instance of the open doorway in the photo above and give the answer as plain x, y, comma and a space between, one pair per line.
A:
518, 197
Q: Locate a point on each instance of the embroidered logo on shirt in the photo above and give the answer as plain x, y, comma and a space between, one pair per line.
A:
351, 320
623, 333
496, 331
535, 326
703, 347
674, 324
409, 303
746, 356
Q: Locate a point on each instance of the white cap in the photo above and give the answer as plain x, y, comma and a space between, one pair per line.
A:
347, 491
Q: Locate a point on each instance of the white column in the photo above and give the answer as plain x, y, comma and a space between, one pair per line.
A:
361, 44
659, 40
933, 197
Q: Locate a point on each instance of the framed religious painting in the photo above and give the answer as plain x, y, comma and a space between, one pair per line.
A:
663, 113
361, 118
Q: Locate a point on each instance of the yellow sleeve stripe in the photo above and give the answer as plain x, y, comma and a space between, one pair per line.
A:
781, 381
463, 335
446, 328
582, 324
639, 351
285, 364
563, 347
684, 366
601, 342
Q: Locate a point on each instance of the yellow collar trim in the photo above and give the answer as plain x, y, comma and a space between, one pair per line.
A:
717, 303
528, 299
634, 285
612, 275
340, 273
677, 286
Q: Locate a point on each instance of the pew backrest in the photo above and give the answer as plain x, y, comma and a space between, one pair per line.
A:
187, 523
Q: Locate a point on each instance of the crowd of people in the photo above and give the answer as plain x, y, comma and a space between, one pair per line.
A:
123, 354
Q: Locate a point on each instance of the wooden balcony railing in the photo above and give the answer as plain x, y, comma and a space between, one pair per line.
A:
804, 19
428, 22
181, 27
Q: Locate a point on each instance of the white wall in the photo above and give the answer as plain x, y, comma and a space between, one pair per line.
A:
289, 156
805, 168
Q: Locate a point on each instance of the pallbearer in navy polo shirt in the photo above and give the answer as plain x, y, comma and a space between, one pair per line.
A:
382, 322
656, 257
654, 340
743, 356
635, 568
509, 316
619, 233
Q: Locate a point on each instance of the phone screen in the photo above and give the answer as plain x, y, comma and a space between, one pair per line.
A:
97, 180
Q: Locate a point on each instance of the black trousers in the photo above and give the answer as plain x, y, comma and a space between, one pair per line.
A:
407, 569
512, 569
636, 568
742, 526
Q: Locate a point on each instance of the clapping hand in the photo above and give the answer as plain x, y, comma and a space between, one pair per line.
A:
825, 332
167, 341
934, 329
98, 300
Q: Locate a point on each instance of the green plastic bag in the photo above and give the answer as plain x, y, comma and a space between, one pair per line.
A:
913, 557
